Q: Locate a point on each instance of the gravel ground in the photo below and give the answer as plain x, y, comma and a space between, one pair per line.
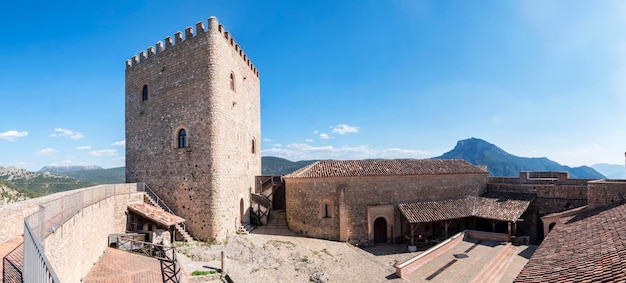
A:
280, 258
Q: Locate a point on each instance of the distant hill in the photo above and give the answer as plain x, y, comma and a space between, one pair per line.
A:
100, 176
277, 166
65, 169
611, 171
502, 163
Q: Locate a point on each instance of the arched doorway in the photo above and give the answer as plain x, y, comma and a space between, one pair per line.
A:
380, 230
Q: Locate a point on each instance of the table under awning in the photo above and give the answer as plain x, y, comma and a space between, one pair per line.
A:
155, 214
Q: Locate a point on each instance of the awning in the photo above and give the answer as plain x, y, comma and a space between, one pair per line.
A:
155, 214
502, 207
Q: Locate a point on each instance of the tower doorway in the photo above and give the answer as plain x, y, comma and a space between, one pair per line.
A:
380, 230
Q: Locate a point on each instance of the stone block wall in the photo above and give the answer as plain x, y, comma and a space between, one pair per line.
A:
209, 181
606, 192
76, 246
351, 197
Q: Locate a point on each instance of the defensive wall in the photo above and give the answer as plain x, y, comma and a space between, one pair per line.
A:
202, 83
71, 228
354, 203
606, 192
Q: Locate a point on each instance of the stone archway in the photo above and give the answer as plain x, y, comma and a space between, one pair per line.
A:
380, 230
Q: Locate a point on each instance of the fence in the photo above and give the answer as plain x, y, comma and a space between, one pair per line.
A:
52, 215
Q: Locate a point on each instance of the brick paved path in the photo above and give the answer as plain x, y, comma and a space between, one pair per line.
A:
116, 266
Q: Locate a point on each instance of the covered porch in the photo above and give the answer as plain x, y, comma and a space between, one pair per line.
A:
427, 223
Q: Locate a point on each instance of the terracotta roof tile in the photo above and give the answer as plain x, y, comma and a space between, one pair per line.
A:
155, 214
385, 167
498, 208
589, 247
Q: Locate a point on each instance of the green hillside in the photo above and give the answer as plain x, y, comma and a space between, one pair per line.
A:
277, 166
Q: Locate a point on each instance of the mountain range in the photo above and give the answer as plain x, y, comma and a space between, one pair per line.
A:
17, 184
503, 164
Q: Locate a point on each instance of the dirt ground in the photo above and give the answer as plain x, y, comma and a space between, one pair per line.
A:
261, 257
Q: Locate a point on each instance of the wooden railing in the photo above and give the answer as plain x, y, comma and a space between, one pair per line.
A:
166, 254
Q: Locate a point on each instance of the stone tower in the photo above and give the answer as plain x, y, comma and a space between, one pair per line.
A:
193, 127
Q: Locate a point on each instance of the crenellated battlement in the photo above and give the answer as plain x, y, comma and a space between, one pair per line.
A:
213, 24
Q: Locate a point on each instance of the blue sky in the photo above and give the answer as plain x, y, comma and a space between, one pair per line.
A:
339, 79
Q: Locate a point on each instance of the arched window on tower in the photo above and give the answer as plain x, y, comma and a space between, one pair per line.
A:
144, 93
232, 81
182, 138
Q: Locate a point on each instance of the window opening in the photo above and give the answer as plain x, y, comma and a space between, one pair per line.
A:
253, 146
144, 93
182, 138
326, 211
232, 81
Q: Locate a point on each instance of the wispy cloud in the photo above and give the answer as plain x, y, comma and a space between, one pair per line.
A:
324, 136
12, 135
343, 129
302, 151
46, 151
60, 132
103, 152
267, 140
120, 143
309, 140
83, 147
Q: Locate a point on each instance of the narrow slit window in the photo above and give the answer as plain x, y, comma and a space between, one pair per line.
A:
182, 138
232, 81
253, 146
144, 93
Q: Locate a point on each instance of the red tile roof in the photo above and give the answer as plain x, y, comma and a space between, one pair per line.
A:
496, 208
589, 247
385, 167
155, 214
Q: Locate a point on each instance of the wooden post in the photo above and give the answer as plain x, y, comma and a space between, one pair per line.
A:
509, 234
223, 263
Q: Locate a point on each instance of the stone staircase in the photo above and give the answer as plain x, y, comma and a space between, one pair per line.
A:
151, 198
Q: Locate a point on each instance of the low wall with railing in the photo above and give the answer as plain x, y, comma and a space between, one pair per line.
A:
70, 233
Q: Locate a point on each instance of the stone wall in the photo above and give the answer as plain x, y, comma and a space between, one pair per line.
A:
76, 245
351, 197
209, 181
606, 192
12, 214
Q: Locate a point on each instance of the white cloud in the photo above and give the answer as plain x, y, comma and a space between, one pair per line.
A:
277, 145
309, 140
324, 136
103, 152
12, 135
315, 132
83, 147
60, 132
120, 143
46, 151
302, 151
267, 140
343, 129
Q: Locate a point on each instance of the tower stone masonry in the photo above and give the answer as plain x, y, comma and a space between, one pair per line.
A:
193, 127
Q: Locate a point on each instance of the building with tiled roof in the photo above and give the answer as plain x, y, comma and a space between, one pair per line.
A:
587, 247
385, 167
356, 200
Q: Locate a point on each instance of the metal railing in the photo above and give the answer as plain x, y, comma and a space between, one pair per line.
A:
13, 265
50, 216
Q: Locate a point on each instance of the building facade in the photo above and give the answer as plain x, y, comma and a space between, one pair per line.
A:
193, 127
356, 200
